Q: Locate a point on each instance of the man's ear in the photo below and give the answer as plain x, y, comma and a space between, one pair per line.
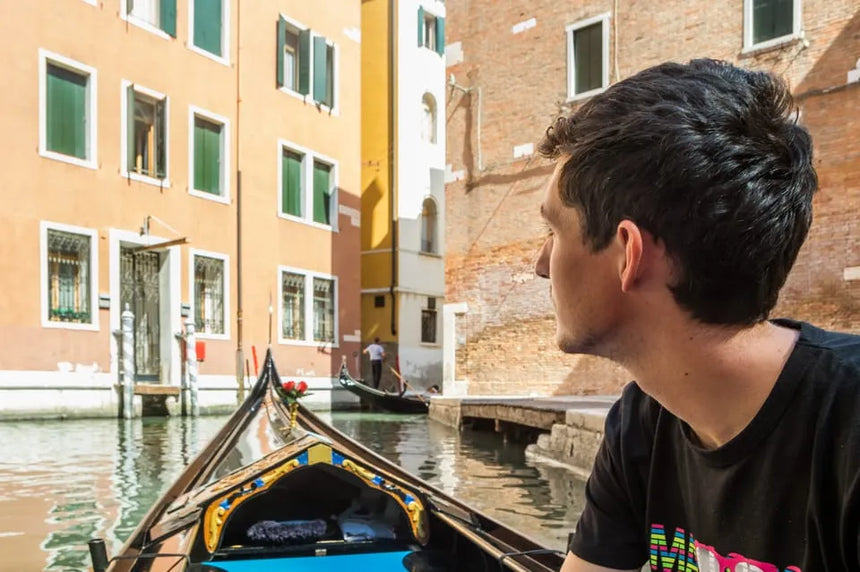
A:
629, 237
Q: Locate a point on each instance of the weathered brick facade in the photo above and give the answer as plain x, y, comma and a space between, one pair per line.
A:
511, 81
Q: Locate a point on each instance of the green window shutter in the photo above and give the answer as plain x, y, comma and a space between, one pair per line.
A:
207, 25
329, 74
320, 75
66, 113
160, 139
420, 26
167, 16
304, 62
207, 157
440, 36
282, 33
129, 127
322, 193
199, 159
291, 193
129, 6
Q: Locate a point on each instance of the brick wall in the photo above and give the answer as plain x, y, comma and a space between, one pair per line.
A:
516, 85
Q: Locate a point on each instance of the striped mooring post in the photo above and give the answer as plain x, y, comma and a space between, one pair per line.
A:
127, 320
191, 365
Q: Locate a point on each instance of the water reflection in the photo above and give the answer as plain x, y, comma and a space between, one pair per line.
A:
63, 482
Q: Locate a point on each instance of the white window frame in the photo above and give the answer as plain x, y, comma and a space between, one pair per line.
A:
143, 24
301, 28
223, 59
796, 32
571, 71
224, 197
335, 108
308, 157
45, 56
429, 15
123, 145
309, 308
225, 259
44, 227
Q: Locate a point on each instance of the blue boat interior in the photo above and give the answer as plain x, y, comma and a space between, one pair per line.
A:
357, 562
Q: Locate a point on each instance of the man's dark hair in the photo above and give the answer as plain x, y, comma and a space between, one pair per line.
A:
375, 340
710, 160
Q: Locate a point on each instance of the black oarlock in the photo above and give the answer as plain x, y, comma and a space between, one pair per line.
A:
98, 554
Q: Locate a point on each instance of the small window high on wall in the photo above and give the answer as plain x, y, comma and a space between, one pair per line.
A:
428, 226
431, 31
588, 57
770, 22
428, 119
428, 322
306, 63
153, 14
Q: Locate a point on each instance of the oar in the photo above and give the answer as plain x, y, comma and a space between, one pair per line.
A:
406, 383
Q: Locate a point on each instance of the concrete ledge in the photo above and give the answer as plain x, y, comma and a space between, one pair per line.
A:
446, 410
573, 443
590, 420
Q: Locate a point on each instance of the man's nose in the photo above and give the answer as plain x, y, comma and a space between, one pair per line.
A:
542, 262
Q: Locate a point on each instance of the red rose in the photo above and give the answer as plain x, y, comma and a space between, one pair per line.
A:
302, 387
290, 385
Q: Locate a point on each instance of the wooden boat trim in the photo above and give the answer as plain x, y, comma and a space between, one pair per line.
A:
487, 546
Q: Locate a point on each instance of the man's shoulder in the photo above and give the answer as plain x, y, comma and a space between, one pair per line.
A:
843, 346
632, 420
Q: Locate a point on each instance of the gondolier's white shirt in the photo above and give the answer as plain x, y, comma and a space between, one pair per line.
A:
375, 351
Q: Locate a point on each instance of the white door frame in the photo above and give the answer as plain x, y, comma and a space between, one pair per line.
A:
169, 289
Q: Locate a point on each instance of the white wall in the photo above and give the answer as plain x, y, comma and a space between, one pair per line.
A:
420, 173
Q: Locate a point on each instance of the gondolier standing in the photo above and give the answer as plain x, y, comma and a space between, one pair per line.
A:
376, 353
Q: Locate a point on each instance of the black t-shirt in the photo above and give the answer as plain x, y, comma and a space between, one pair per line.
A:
784, 494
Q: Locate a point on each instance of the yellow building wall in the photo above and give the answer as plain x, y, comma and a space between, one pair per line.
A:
377, 321
376, 146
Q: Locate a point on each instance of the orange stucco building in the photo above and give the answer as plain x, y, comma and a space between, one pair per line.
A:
192, 160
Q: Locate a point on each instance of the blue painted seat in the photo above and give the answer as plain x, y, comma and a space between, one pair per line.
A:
369, 561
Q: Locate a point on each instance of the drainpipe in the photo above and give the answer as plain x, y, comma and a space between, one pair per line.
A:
240, 353
392, 101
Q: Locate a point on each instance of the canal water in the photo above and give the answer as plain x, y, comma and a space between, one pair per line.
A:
63, 482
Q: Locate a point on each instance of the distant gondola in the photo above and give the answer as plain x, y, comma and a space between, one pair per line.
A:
383, 400
268, 494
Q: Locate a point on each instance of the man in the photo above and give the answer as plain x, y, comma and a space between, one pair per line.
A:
376, 353
679, 201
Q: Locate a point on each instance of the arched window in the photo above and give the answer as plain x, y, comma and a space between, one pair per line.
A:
428, 226
428, 118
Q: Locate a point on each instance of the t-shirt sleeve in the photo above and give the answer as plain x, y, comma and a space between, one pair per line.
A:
611, 530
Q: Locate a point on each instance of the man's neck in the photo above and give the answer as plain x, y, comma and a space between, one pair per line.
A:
715, 379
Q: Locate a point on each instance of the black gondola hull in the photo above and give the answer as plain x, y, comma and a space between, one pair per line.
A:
380, 399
